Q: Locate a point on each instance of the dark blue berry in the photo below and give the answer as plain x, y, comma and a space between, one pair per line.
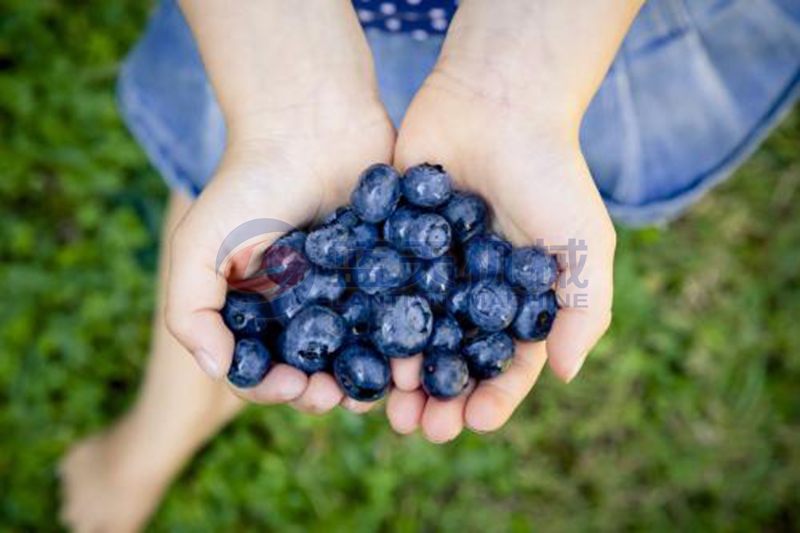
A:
328, 285
402, 325
535, 316
398, 226
321, 285
251, 362
285, 259
444, 374
246, 314
531, 269
362, 372
426, 235
485, 257
467, 215
436, 277
285, 305
429, 236
331, 246
344, 215
381, 269
488, 355
458, 301
447, 335
366, 235
312, 338
492, 305
427, 185
377, 193
356, 310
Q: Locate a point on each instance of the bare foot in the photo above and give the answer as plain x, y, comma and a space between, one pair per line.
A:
103, 491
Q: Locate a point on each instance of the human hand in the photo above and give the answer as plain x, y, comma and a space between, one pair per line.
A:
292, 177
515, 142
297, 88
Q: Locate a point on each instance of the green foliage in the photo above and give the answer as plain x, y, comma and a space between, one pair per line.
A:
685, 418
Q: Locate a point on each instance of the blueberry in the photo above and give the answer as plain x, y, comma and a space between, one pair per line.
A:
251, 362
356, 311
398, 226
328, 285
321, 285
246, 314
467, 215
377, 193
426, 235
492, 305
331, 246
488, 355
311, 339
535, 316
446, 335
531, 269
436, 277
344, 215
362, 372
366, 235
381, 270
444, 374
285, 260
485, 257
402, 325
429, 236
427, 185
286, 305
458, 301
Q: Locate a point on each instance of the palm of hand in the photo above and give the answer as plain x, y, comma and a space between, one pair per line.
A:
531, 172
294, 179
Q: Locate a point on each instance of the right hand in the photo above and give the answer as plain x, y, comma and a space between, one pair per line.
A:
305, 164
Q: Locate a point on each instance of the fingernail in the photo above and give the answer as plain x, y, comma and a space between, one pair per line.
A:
577, 368
208, 363
478, 431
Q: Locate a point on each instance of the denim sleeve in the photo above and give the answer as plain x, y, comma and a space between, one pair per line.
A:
694, 89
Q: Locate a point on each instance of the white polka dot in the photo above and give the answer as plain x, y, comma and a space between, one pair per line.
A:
388, 9
365, 15
414, 2
393, 24
437, 13
419, 35
439, 24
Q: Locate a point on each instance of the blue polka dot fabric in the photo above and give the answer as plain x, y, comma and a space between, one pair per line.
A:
418, 18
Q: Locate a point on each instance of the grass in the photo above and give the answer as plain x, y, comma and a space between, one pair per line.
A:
686, 417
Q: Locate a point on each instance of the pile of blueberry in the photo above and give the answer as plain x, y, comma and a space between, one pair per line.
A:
409, 267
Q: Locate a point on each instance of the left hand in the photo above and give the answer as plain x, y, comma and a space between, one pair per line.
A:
525, 160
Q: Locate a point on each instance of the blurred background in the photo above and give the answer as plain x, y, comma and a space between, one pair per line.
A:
686, 417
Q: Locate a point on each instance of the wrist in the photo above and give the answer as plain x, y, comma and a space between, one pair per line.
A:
546, 56
273, 61
306, 108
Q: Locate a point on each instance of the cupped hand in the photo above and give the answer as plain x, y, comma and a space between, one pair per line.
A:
525, 160
301, 165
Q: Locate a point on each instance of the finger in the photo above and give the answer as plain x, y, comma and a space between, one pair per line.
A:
404, 410
584, 300
405, 372
321, 395
195, 294
494, 400
582, 235
282, 384
443, 420
356, 406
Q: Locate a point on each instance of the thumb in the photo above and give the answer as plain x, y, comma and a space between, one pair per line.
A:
195, 294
